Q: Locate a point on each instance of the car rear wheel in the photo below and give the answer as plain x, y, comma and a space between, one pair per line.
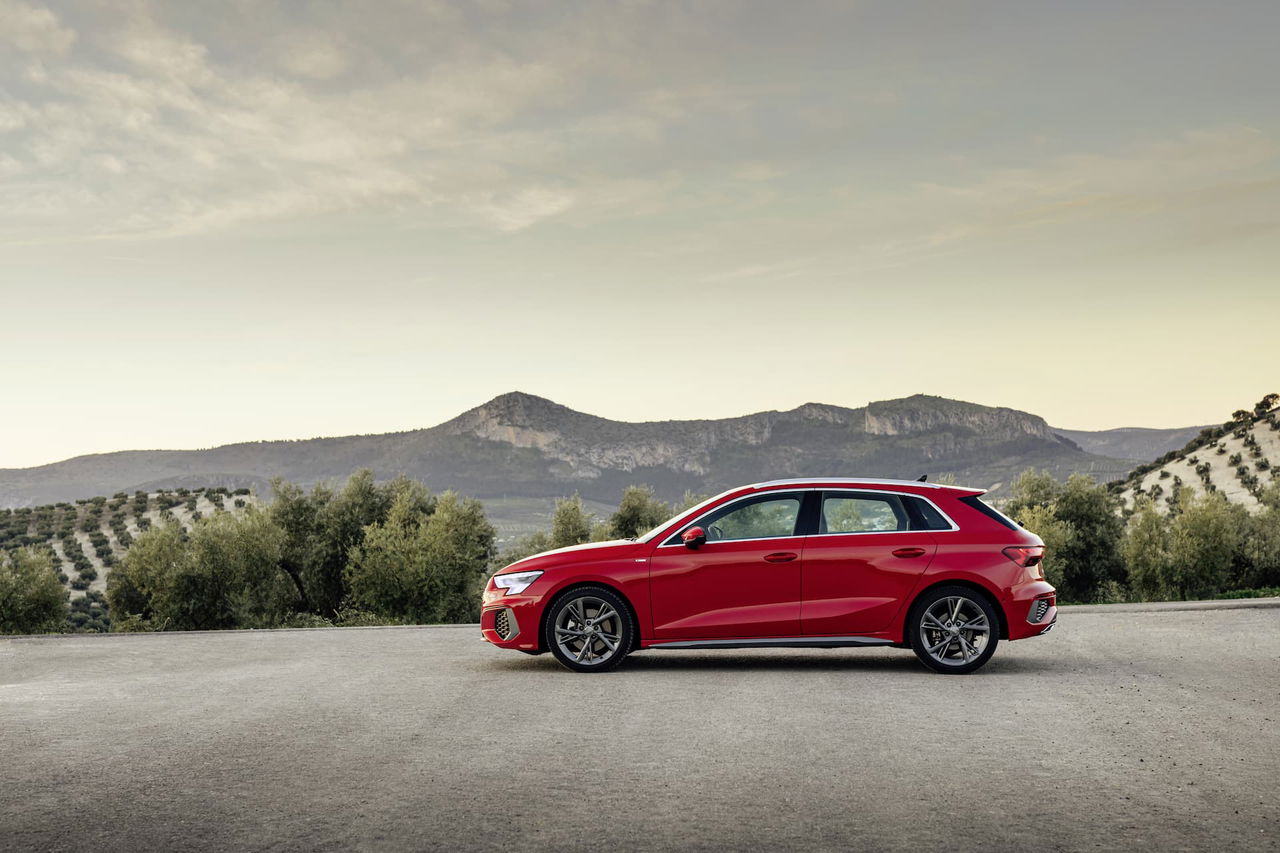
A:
590, 629
953, 629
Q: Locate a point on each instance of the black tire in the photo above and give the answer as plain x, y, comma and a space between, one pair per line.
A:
927, 634
576, 613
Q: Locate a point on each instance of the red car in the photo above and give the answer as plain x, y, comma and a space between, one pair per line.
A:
820, 563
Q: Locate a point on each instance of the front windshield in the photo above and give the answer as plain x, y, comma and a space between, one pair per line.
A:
688, 513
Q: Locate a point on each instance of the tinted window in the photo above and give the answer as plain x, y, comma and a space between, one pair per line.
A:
924, 516
993, 514
754, 519
862, 514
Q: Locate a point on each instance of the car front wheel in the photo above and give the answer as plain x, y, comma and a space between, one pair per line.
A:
590, 629
953, 630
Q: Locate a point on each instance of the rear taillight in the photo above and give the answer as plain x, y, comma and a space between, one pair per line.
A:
1029, 557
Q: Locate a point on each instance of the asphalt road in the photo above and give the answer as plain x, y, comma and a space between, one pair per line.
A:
1123, 727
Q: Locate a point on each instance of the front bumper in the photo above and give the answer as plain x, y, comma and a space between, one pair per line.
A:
511, 621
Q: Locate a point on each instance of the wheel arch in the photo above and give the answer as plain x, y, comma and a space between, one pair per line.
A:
991, 597
543, 640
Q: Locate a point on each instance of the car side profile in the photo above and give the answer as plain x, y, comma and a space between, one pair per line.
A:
814, 563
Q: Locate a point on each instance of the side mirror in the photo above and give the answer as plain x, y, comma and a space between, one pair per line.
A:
694, 537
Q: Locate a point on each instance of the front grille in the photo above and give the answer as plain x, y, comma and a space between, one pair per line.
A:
504, 624
1038, 610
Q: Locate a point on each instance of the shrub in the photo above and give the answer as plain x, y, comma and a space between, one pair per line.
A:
1204, 547
1264, 592
423, 567
32, 599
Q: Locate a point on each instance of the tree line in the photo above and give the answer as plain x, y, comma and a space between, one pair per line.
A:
394, 553
363, 554
639, 511
1200, 547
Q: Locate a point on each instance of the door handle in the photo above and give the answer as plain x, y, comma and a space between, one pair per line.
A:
908, 552
781, 557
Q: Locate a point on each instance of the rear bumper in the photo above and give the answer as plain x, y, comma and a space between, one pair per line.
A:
1032, 610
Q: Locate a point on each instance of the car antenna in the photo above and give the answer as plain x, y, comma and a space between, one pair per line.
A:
922, 478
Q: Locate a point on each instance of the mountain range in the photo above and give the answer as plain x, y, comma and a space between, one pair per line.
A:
519, 446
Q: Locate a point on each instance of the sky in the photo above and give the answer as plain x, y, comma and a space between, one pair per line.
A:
244, 220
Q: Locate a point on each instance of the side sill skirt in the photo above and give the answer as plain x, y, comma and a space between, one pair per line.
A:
775, 642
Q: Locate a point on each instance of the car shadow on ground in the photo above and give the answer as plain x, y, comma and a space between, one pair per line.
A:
712, 661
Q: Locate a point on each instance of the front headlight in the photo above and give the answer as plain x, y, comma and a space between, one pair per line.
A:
516, 582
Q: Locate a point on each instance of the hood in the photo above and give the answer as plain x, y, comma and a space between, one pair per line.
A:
577, 554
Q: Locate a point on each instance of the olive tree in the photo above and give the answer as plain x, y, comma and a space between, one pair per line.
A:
570, 523
638, 512
1262, 541
32, 599
1082, 516
322, 528
423, 567
1204, 546
1145, 549
224, 574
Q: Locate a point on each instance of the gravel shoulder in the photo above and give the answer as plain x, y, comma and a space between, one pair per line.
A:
1154, 726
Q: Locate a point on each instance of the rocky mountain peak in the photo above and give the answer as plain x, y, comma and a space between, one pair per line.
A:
923, 413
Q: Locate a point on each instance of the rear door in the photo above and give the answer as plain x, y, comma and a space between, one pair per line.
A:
864, 560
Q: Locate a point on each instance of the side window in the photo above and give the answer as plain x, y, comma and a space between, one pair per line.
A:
759, 520
862, 514
924, 516
753, 519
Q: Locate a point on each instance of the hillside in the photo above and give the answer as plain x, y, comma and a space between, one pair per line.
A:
522, 446
1238, 459
89, 537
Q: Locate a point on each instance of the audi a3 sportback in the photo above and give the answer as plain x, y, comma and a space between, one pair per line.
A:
789, 563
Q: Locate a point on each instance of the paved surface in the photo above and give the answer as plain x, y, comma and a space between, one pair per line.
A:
1156, 727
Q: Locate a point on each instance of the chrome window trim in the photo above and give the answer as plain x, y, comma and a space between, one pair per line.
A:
954, 527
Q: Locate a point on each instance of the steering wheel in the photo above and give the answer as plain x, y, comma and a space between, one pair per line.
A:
714, 533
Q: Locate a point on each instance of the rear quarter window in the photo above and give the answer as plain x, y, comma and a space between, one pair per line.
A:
924, 516
990, 512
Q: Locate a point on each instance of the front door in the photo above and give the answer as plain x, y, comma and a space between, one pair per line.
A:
745, 581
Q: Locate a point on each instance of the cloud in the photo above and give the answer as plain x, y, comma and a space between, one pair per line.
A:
32, 29
157, 119
146, 132
317, 56
1148, 178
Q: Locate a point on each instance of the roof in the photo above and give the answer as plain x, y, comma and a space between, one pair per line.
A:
859, 481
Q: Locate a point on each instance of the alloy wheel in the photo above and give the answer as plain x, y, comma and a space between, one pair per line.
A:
954, 631
588, 630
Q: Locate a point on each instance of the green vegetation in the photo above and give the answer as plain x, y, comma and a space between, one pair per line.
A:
88, 614
364, 554
427, 562
1205, 546
1080, 519
32, 599
638, 512
1265, 592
